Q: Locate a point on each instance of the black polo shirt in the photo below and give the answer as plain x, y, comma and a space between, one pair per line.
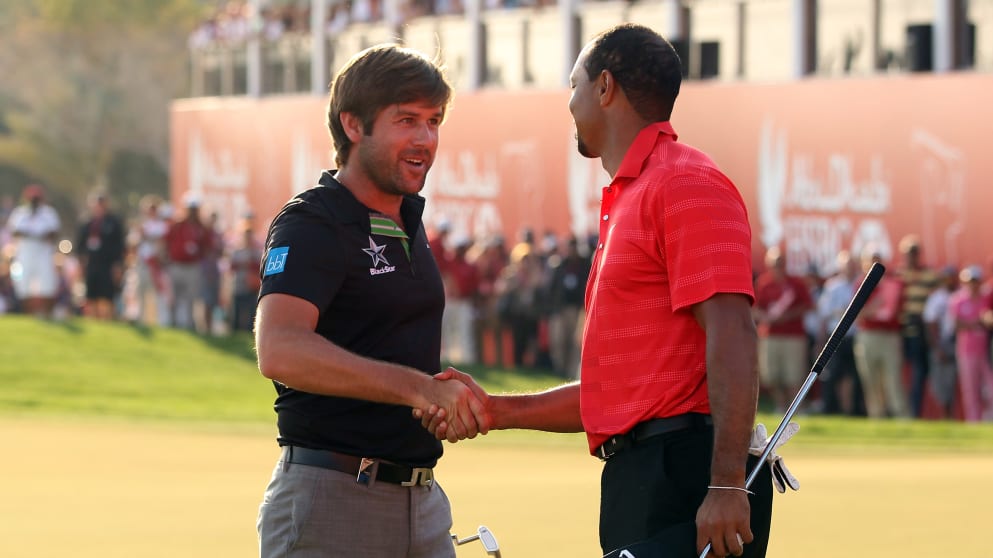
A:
379, 296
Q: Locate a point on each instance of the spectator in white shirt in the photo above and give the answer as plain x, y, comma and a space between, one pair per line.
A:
34, 227
842, 389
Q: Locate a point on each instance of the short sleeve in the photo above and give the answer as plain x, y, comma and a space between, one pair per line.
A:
932, 308
303, 256
707, 238
54, 222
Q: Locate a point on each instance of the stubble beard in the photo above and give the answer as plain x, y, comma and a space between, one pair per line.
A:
386, 174
583, 149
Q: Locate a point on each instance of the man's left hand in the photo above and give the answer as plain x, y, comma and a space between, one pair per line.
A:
724, 521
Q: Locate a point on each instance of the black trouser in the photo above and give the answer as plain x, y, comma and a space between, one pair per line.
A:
841, 366
661, 482
915, 352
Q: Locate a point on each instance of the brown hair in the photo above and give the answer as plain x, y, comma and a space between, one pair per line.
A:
378, 77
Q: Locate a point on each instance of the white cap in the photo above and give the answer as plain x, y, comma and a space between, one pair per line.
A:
191, 200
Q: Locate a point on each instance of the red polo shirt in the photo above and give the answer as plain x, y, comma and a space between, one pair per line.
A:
673, 232
778, 297
885, 303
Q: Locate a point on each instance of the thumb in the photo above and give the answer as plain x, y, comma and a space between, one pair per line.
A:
448, 374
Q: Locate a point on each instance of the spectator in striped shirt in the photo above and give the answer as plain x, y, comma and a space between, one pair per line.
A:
918, 282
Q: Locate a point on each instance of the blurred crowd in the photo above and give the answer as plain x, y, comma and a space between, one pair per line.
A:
514, 306
920, 347
234, 22
164, 266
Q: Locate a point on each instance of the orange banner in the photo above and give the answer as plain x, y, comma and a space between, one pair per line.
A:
822, 164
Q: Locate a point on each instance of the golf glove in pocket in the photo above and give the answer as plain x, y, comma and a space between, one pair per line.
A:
781, 476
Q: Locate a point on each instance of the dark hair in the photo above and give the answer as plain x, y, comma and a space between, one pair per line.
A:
644, 64
378, 77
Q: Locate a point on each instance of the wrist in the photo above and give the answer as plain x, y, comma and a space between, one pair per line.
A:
729, 488
419, 396
497, 407
727, 478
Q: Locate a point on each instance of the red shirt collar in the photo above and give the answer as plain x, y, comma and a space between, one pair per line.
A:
642, 147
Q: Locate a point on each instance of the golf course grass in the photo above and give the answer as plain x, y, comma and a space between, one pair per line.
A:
147, 443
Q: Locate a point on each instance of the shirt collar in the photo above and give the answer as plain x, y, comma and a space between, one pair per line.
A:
642, 147
348, 209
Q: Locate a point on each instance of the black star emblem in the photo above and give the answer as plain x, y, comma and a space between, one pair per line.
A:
376, 252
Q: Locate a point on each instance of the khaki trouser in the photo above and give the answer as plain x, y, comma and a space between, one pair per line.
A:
879, 358
783, 360
310, 512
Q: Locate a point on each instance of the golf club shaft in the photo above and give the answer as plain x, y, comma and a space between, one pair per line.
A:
844, 324
807, 384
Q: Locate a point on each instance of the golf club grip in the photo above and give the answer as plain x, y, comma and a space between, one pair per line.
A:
854, 307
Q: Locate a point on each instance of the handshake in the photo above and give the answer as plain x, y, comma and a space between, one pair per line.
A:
455, 407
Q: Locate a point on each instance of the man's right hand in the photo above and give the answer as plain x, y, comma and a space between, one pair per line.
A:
469, 416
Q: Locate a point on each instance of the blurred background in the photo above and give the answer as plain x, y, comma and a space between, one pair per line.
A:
853, 128
87, 84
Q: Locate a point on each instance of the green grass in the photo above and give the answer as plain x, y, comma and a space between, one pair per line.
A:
97, 370
88, 368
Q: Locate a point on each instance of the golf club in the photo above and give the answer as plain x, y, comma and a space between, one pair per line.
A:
854, 307
484, 536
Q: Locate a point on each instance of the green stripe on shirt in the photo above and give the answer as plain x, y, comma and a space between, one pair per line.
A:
384, 226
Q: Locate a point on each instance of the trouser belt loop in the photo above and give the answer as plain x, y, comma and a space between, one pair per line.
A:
287, 457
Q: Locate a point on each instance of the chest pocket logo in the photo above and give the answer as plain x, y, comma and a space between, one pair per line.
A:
375, 252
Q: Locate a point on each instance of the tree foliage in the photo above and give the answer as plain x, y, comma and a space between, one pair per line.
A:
86, 82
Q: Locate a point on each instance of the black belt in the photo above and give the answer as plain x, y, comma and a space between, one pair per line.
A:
366, 470
651, 428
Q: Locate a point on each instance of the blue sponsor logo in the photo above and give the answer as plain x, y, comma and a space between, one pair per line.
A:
275, 262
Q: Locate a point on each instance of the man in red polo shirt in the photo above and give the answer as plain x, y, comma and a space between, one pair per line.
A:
781, 301
669, 379
878, 351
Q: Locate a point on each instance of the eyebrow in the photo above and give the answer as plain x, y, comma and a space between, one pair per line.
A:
400, 111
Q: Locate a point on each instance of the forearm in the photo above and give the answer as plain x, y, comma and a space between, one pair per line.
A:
554, 410
732, 377
307, 362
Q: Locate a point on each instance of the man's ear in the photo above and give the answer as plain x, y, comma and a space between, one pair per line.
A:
352, 125
606, 87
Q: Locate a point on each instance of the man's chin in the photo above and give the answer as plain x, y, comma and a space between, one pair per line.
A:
412, 187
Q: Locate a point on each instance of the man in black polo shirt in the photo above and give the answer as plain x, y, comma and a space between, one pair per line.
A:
349, 330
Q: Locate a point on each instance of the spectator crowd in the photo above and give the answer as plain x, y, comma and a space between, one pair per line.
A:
234, 22
160, 267
920, 347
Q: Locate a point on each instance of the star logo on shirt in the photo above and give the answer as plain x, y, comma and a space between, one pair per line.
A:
375, 251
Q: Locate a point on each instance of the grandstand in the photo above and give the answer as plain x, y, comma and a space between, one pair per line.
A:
283, 46
842, 122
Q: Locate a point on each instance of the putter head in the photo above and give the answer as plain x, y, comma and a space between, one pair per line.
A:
489, 541
485, 536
